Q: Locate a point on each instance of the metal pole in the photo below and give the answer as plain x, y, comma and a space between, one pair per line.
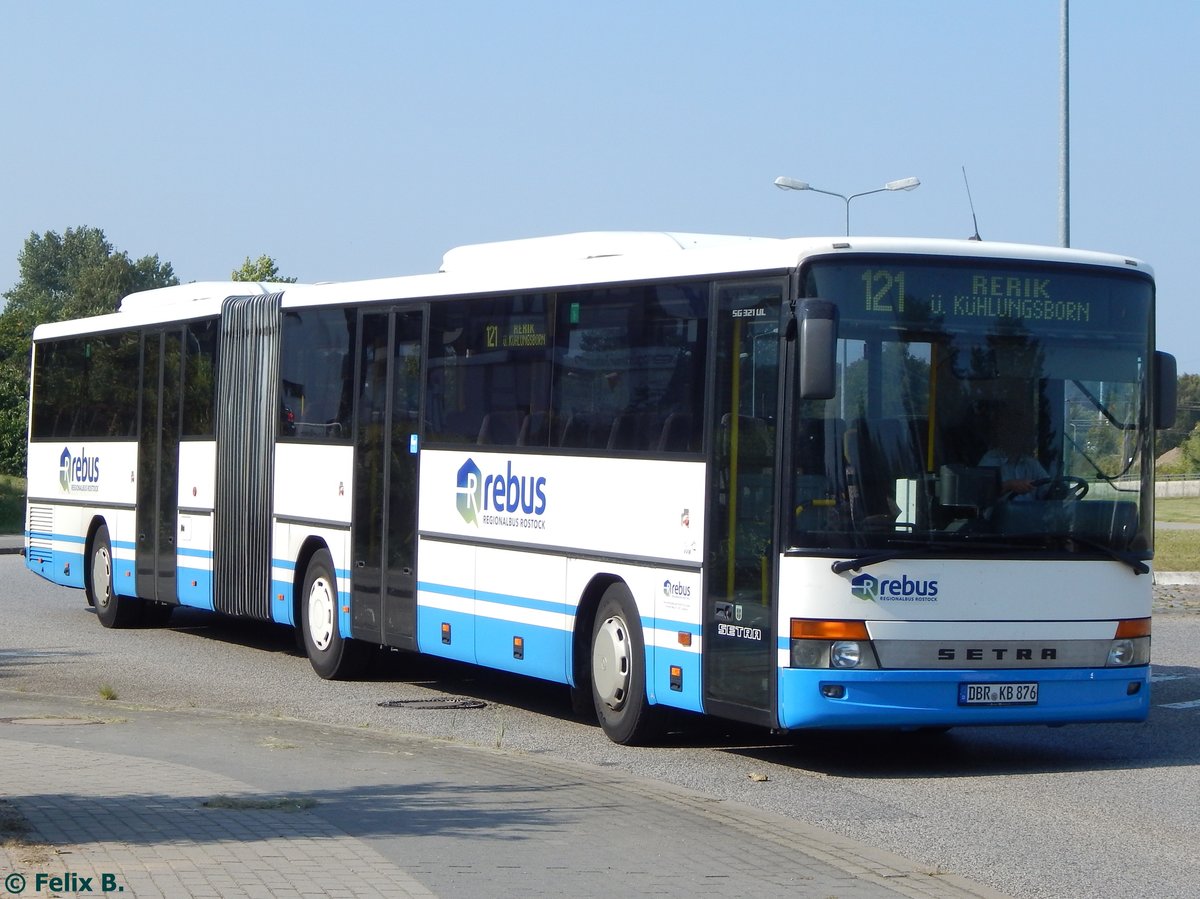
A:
1064, 135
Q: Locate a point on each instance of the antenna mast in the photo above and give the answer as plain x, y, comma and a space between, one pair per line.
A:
974, 221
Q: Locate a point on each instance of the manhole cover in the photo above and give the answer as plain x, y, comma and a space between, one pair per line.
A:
449, 702
50, 722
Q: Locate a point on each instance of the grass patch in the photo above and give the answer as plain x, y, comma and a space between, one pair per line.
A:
1181, 509
107, 691
1176, 550
12, 505
265, 803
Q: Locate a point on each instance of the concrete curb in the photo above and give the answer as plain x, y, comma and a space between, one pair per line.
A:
1176, 578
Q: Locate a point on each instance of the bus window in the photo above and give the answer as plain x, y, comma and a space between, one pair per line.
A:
488, 375
629, 369
317, 372
199, 378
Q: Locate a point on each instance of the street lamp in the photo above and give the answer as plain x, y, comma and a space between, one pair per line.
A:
785, 183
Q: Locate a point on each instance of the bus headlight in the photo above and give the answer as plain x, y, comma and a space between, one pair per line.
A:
831, 644
1128, 651
845, 654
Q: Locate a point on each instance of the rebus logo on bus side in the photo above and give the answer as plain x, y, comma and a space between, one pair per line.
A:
498, 493
81, 472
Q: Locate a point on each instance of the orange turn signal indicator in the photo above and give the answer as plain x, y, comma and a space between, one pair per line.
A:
816, 629
1133, 627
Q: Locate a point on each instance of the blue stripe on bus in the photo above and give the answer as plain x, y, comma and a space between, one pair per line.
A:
58, 566
668, 624
660, 687
546, 651
506, 599
446, 590
281, 602
199, 596
461, 645
50, 535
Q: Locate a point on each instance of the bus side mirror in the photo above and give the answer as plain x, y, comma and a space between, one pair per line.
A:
817, 322
1166, 389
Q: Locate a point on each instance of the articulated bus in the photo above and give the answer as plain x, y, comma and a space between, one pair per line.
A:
800, 483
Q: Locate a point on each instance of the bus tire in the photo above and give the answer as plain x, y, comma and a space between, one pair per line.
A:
331, 655
618, 671
111, 610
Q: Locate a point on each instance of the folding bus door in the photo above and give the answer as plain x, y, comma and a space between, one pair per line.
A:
739, 633
384, 579
158, 467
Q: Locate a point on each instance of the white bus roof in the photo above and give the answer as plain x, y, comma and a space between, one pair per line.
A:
561, 262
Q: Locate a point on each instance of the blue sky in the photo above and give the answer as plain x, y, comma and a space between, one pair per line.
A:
357, 139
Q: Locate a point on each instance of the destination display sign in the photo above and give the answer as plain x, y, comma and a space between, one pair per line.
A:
915, 291
517, 332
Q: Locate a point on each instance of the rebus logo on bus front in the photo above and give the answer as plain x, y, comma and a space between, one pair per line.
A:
505, 493
903, 589
80, 472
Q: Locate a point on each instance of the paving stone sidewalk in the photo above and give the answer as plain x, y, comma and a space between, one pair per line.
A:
142, 829
320, 811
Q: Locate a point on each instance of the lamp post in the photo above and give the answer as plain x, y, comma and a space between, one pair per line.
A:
785, 183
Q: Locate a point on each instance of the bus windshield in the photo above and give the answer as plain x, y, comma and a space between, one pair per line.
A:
982, 405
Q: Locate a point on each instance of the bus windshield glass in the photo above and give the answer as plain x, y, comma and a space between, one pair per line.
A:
980, 404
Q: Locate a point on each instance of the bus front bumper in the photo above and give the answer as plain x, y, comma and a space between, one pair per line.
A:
827, 698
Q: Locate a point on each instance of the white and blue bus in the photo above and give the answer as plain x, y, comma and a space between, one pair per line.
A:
802, 483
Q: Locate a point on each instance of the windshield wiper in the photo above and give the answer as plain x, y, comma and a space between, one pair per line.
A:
886, 555
1138, 566
864, 561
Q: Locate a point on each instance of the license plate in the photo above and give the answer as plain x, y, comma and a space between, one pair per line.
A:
997, 694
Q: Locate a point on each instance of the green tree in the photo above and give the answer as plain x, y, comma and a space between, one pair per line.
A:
72, 275
1190, 449
262, 269
1186, 418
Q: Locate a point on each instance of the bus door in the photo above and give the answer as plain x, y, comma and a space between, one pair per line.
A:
739, 631
387, 432
158, 467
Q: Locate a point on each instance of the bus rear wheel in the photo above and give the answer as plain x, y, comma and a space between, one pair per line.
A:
619, 671
111, 610
332, 656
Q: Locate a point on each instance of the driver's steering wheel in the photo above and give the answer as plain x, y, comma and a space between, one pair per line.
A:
1065, 487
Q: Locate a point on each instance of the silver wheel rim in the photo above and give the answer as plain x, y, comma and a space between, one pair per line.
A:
322, 606
610, 662
102, 576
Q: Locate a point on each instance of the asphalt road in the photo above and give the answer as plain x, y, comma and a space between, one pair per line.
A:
1031, 812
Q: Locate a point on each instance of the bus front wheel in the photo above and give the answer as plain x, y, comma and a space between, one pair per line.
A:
332, 656
619, 671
